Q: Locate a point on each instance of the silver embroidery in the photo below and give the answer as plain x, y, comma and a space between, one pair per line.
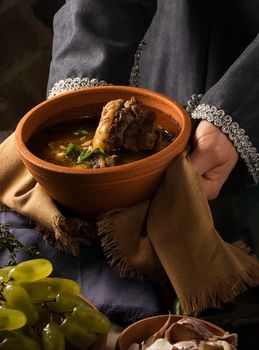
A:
135, 71
77, 83
236, 134
193, 102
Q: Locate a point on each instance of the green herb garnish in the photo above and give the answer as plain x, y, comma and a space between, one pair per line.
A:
84, 155
81, 132
100, 150
72, 150
12, 244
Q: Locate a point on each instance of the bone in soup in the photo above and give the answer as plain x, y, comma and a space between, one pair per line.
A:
125, 132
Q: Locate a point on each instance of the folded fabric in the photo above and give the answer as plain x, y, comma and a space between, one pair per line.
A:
173, 235
20, 192
170, 238
122, 300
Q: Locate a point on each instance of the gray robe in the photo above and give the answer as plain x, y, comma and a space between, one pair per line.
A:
192, 47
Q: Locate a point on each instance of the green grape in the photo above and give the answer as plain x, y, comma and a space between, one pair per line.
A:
4, 273
3, 304
52, 306
4, 334
11, 319
10, 343
18, 298
59, 285
93, 320
31, 270
31, 332
17, 341
58, 318
43, 312
77, 334
38, 290
53, 337
65, 302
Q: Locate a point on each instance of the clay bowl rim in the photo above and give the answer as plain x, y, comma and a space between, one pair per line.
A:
164, 317
141, 164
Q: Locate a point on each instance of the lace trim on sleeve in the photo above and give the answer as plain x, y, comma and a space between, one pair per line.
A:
77, 83
193, 103
237, 135
135, 71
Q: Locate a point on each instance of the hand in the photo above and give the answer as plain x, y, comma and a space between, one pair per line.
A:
214, 156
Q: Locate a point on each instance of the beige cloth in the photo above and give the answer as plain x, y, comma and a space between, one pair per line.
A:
171, 237
20, 192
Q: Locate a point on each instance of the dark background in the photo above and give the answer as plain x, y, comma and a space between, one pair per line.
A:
26, 42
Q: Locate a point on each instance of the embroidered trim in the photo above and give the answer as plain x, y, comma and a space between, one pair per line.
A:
193, 102
77, 83
135, 71
236, 134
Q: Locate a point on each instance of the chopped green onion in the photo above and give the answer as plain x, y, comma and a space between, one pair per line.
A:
81, 132
99, 150
84, 155
88, 153
72, 150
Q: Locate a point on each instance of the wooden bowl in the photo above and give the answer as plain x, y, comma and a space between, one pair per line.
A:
143, 329
88, 192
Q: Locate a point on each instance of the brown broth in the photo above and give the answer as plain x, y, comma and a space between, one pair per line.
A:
51, 142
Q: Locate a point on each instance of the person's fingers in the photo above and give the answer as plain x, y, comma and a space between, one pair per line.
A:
213, 156
209, 151
210, 189
214, 179
202, 159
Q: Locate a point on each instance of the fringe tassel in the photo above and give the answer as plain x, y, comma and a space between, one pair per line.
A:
67, 234
222, 292
112, 252
3, 207
242, 246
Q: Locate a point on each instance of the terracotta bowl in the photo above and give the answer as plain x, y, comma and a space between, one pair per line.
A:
143, 329
88, 192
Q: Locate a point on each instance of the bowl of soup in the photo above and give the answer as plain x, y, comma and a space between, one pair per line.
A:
61, 143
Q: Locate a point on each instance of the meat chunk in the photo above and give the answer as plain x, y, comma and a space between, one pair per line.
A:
128, 126
101, 135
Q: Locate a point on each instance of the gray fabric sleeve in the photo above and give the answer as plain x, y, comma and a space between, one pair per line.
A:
97, 39
232, 104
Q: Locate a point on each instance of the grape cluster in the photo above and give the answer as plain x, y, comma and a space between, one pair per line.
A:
41, 312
